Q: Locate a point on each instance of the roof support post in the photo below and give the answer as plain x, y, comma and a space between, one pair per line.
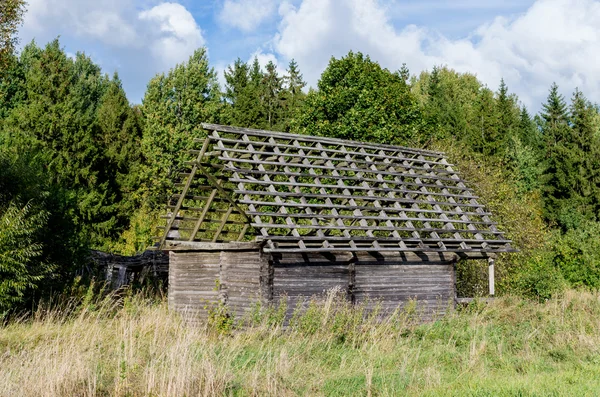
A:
491, 276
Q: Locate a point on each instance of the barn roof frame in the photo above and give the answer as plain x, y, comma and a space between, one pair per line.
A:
300, 193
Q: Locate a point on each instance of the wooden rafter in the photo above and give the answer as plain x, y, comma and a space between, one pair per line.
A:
302, 193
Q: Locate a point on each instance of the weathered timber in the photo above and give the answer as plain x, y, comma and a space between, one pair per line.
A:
119, 270
242, 275
278, 185
268, 216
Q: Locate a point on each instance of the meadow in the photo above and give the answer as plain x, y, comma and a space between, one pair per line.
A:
131, 345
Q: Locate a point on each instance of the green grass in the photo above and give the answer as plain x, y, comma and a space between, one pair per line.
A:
136, 347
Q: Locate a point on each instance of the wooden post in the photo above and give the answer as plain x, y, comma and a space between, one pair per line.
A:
491, 276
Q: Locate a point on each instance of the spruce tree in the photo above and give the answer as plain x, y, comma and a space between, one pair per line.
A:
120, 133
293, 96
554, 116
487, 135
568, 189
272, 87
243, 106
508, 113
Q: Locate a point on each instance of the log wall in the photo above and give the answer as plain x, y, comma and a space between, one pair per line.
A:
241, 277
233, 274
389, 280
297, 277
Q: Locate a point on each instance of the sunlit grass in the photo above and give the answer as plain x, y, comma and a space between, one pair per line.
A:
133, 346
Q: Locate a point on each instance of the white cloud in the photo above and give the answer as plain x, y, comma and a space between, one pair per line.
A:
554, 40
177, 35
138, 38
168, 30
246, 15
105, 20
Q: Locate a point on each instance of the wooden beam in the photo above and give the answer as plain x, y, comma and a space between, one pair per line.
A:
184, 192
308, 138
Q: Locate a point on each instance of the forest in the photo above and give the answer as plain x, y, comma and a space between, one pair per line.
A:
83, 168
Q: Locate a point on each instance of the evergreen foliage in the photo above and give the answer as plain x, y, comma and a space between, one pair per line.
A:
571, 184
63, 114
40, 246
262, 99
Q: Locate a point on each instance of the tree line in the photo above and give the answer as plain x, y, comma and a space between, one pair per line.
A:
81, 167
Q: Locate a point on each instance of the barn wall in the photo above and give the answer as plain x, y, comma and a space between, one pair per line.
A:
297, 277
200, 280
242, 277
243, 273
390, 280
193, 278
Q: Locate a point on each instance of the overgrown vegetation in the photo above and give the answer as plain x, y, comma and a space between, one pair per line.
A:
133, 346
81, 167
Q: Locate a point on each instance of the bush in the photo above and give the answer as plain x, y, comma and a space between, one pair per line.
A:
540, 279
39, 243
21, 264
577, 255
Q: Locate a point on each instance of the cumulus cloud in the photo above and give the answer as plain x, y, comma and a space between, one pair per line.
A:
554, 40
246, 15
177, 35
137, 39
106, 20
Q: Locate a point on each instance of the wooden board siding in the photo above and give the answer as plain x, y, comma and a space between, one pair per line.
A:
193, 278
247, 276
391, 280
299, 277
199, 280
431, 286
242, 273
394, 279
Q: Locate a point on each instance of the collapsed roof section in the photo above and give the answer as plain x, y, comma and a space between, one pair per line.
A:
299, 193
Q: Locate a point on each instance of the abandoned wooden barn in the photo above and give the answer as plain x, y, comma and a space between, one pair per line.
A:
265, 215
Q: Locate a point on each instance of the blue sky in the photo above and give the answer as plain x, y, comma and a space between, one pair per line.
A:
529, 43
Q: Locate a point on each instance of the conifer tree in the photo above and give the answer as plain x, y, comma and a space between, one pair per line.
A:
554, 116
294, 84
487, 137
292, 94
528, 132
272, 87
570, 189
508, 112
120, 133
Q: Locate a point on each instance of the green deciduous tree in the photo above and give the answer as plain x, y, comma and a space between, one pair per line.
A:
358, 99
39, 243
11, 17
174, 107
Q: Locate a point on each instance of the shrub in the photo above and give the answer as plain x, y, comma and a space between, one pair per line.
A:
21, 262
577, 255
540, 279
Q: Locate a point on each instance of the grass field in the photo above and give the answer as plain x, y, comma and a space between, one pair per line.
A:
133, 346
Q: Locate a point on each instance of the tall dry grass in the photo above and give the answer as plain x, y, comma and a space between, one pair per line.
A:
133, 346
